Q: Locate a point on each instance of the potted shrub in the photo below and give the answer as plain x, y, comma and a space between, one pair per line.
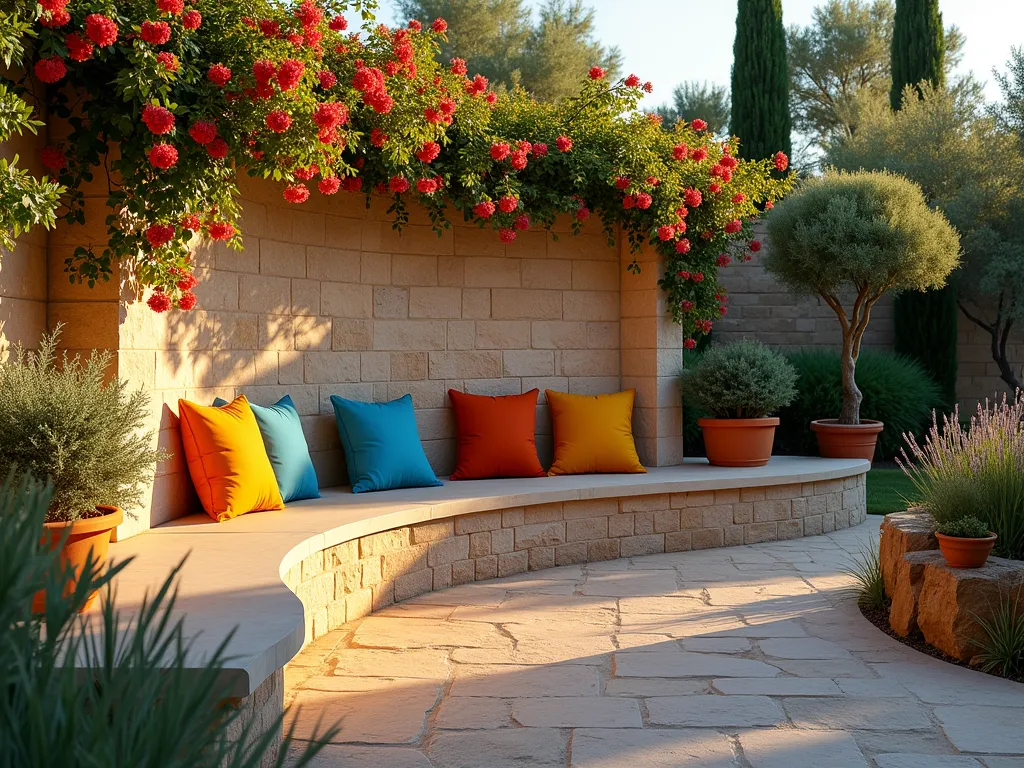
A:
965, 542
740, 384
66, 423
850, 238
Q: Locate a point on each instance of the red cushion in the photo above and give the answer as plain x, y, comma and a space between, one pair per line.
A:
496, 436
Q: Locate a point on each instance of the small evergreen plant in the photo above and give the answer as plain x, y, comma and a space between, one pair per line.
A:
742, 380
61, 419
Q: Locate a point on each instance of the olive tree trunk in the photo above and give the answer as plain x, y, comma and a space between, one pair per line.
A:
853, 326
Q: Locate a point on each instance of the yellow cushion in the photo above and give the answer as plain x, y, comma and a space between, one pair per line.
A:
227, 459
593, 433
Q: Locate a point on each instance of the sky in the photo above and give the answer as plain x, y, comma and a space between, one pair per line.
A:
670, 41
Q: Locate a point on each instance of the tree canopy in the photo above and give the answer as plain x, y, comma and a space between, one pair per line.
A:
501, 40
840, 65
972, 168
707, 101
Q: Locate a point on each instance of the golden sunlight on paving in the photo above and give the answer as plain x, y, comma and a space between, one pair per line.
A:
746, 657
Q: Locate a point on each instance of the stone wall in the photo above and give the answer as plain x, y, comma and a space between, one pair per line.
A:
350, 580
260, 712
328, 299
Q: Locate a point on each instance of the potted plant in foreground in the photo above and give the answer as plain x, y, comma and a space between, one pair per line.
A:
965, 542
65, 423
740, 384
855, 237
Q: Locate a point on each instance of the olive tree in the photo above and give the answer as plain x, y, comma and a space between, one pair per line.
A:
864, 233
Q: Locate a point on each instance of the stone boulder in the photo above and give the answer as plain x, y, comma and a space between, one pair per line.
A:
907, 578
904, 532
951, 600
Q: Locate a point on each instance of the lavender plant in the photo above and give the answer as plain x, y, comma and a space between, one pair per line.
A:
974, 470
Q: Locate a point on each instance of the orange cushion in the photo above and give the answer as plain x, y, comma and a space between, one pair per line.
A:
227, 459
593, 433
496, 436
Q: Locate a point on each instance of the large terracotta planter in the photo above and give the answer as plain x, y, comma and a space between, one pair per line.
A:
847, 441
965, 553
91, 534
738, 442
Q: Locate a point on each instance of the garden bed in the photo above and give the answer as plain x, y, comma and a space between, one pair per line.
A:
880, 618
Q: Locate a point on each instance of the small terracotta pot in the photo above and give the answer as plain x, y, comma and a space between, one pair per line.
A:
847, 441
90, 534
738, 442
965, 553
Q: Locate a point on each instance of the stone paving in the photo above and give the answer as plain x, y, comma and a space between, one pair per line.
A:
751, 656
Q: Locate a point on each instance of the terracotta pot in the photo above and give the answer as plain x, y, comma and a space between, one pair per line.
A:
91, 534
738, 442
847, 441
965, 553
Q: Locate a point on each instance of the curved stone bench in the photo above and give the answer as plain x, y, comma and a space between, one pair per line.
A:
281, 579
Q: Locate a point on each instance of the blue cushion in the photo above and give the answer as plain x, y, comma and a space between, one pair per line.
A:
382, 445
286, 448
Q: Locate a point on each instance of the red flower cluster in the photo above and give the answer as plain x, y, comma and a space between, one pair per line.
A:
158, 120
338, 24
289, 74
156, 32
370, 82
440, 26
159, 302
218, 74
192, 20
596, 73
296, 193
734, 226
79, 49
476, 86
168, 60
173, 7
682, 245
159, 234
484, 209
217, 149
754, 246
499, 151
458, 67
101, 29
698, 124
328, 185
693, 198
51, 70
53, 158
666, 233
203, 131
187, 301
632, 81
564, 143
429, 186
398, 184
429, 152
191, 223
327, 79
507, 204
163, 156
330, 115
221, 230
278, 121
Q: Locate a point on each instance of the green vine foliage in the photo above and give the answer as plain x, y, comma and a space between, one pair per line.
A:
294, 94
25, 201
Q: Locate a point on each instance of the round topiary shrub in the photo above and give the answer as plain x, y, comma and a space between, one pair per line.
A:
742, 380
896, 390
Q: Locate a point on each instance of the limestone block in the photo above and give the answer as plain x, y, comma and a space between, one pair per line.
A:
902, 533
951, 600
907, 581
706, 538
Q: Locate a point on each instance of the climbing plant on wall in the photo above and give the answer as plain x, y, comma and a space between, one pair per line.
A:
176, 99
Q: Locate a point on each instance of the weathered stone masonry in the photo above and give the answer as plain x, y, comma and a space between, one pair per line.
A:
350, 580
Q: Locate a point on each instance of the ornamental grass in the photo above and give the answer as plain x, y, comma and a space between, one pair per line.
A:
974, 470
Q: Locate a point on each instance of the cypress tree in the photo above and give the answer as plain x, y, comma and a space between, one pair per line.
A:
918, 47
760, 80
925, 324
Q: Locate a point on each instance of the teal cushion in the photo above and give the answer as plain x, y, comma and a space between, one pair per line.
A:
382, 445
286, 448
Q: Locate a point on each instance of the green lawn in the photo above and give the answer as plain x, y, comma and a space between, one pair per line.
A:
888, 491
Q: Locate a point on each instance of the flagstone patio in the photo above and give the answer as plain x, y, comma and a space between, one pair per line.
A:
748, 656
